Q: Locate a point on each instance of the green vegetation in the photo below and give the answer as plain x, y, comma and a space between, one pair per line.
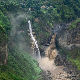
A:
20, 67
47, 12
73, 56
2, 34
75, 23
75, 62
43, 15
4, 21
53, 10
4, 27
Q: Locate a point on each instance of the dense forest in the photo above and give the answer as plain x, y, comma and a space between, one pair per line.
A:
46, 16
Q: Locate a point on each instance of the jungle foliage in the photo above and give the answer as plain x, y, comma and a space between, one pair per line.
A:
43, 14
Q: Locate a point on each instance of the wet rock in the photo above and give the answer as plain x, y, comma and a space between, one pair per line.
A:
59, 60
51, 51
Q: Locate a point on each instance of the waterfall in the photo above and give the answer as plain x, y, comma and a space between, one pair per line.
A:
36, 50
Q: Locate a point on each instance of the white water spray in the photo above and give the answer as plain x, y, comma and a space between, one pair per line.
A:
36, 48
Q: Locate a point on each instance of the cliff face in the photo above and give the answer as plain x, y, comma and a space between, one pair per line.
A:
70, 38
69, 44
74, 36
51, 51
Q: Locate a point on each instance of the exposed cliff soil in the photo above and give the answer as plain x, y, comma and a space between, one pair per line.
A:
69, 38
57, 67
51, 51
57, 71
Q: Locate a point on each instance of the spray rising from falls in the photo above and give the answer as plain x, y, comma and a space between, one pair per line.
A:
36, 50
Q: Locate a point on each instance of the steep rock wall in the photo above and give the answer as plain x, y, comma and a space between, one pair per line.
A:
51, 51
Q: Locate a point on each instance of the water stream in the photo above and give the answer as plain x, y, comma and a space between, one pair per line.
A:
35, 47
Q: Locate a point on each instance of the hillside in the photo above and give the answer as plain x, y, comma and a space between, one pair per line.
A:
48, 17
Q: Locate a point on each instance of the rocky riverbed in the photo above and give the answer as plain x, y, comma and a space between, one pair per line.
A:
53, 72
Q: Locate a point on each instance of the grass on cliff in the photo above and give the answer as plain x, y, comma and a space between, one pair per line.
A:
73, 56
20, 68
75, 23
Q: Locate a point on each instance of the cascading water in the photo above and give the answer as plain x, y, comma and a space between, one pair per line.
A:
36, 50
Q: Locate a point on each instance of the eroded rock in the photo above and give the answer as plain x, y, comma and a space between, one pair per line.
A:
51, 51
